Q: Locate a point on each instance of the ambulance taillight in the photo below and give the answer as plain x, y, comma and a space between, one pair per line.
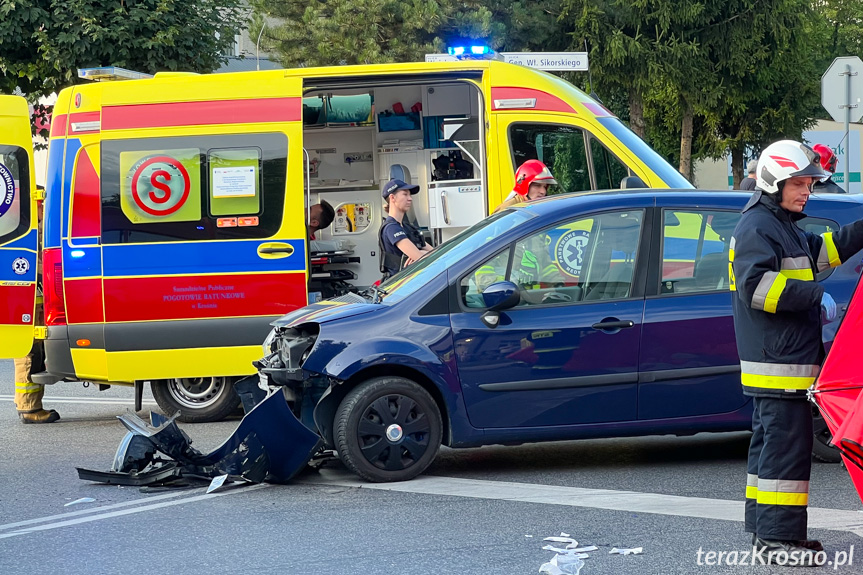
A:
52, 266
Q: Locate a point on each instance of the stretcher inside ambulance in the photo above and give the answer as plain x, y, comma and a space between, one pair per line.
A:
177, 207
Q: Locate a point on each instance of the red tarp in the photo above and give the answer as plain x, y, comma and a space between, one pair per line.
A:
838, 389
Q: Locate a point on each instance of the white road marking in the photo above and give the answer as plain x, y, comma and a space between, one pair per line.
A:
91, 400
58, 521
631, 501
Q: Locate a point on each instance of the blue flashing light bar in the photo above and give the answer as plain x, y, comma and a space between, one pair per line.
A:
468, 51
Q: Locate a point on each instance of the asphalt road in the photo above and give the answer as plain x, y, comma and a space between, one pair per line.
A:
478, 511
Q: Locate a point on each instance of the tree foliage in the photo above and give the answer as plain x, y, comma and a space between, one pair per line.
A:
43, 42
332, 32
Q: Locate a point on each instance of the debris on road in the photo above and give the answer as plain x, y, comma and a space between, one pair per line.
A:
82, 500
255, 452
568, 559
632, 551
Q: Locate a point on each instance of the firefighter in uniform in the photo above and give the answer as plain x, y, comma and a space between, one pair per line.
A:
777, 319
28, 395
828, 162
532, 180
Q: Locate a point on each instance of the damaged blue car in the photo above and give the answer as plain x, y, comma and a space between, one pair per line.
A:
579, 316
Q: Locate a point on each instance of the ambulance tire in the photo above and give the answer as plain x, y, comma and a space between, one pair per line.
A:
388, 429
199, 400
822, 450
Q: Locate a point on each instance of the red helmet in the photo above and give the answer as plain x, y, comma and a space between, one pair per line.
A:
529, 172
828, 158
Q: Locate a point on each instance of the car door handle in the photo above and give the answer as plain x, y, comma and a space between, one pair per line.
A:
613, 324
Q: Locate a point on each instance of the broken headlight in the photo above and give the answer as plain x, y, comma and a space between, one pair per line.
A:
268, 342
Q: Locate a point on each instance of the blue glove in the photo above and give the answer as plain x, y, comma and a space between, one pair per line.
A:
829, 307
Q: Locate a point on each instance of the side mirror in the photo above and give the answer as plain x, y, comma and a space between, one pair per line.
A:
501, 295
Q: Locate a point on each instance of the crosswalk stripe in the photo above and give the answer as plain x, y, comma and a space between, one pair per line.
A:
90, 400
631, 501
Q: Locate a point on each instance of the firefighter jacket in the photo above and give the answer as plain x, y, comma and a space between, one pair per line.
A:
828, 186
776, 300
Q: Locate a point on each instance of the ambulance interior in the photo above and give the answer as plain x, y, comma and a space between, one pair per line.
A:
358, 138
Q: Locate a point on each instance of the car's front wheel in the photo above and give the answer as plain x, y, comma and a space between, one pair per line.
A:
198, 399
388, 429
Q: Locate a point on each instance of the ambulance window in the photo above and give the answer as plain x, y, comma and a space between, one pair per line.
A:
14, 185
193, 188
235, 181
561, 148
608, 168
695, 246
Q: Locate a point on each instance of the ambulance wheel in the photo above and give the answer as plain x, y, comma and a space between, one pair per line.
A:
388, 429
822, 450
198, 399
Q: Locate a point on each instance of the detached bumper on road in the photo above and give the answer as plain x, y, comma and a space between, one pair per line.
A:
270, 444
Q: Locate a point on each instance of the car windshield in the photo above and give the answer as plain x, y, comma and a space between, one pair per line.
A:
417, 275
645, 153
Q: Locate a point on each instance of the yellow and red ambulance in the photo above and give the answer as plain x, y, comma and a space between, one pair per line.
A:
176, 206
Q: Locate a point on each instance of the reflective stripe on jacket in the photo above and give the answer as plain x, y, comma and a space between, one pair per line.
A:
777, 303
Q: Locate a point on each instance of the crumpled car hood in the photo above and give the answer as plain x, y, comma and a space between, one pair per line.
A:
325, 311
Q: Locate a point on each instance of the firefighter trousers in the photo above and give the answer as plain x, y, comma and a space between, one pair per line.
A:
780, 459
28, 395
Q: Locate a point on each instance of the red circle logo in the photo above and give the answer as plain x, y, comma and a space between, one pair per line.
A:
160, 185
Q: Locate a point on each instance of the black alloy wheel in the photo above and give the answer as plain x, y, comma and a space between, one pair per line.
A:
388, 429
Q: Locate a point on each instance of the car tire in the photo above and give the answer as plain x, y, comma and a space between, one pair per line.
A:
199, 400
822, 450
388, 429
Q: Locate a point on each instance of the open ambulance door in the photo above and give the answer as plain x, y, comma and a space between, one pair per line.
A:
18, 229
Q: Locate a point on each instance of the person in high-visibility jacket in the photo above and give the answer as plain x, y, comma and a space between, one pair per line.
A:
778, 309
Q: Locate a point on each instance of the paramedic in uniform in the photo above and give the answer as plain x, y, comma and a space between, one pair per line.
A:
28, 395
400, 240
777, 320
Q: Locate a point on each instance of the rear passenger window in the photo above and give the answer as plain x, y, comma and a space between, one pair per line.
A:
193, 188
695, 247
14, 193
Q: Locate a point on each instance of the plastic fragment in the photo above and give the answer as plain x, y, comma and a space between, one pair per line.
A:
216, 483
631, 551
82, 500
567, 540
581, 549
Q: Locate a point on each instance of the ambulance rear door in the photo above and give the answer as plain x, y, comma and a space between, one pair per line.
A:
18, 229
202, 224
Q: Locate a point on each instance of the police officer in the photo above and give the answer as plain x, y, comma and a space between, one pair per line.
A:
777, 319
401, 243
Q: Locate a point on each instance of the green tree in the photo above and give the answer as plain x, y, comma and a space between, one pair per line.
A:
332, 32
43, 42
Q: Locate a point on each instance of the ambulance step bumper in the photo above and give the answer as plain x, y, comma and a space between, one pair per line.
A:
45, 378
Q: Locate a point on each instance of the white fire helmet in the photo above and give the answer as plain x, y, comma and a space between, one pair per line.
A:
786, 159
